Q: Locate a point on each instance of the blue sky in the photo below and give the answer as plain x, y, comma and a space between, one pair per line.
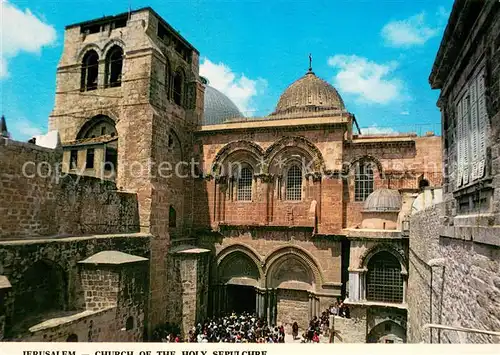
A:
377, 53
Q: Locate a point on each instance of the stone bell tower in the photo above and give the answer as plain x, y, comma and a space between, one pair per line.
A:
128, 99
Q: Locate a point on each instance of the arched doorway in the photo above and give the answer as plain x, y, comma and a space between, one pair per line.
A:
238, 279
42, 290
291, 281
387, 332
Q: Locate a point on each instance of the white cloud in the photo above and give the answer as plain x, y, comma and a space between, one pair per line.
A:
22, 129
412, 31
369, 81
404, 113
239, 88
21, 32
442, 13
375, 130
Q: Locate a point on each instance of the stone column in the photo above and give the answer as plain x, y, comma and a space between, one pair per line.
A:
357, 285
405, 285
257, 301
263, 307
275, 306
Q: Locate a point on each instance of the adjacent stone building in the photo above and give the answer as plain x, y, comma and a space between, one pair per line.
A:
454, 275
173, 207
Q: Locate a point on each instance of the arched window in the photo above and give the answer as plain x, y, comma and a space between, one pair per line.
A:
114, 64
294, 183
244, 187
178, 89
129, 324
363, 181
168, 78
72, 338
90, 69
384, 282
172, 217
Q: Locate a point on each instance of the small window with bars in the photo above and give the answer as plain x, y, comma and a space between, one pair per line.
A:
244, 186
384, 282
363, 181
73, 159
294, 183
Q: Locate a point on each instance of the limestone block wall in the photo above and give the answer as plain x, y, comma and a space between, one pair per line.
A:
465, 289
351, 330
38, 201
293, 306
20, 258
89, 326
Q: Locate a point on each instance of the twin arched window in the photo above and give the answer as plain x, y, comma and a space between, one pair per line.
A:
363, 181
113, 69
114, 66
90, 70
294, 183
384, 282
178, 87
244, 187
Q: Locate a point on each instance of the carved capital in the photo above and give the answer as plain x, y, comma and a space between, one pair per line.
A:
315, 176
267, 178
221, 180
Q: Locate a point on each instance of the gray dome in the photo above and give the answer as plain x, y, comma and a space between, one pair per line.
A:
383, 200
218, 107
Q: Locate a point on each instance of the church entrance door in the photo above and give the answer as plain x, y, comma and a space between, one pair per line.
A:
241, 298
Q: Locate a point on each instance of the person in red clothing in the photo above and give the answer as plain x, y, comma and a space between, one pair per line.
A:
315, 338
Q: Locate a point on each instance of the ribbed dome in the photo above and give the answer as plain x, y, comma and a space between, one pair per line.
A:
383, 200
218, 107
309, 94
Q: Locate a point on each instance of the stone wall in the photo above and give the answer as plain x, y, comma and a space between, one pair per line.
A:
293, 306
61, 255
88, 326
39, 201
353, 329
465, 289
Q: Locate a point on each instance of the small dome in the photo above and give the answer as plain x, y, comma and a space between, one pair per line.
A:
309, 94
383, 200
218, 107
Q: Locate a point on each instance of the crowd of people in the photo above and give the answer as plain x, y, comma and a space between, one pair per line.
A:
233, 328
248, 328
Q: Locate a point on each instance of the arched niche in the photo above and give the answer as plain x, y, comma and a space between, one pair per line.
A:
387, 332
41, 290
238, 268
97, 126
290, 272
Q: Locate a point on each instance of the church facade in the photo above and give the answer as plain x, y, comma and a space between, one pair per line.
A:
213, 212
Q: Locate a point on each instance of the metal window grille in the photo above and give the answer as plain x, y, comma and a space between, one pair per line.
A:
384, 282
294, 184
245, 185
363, 182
